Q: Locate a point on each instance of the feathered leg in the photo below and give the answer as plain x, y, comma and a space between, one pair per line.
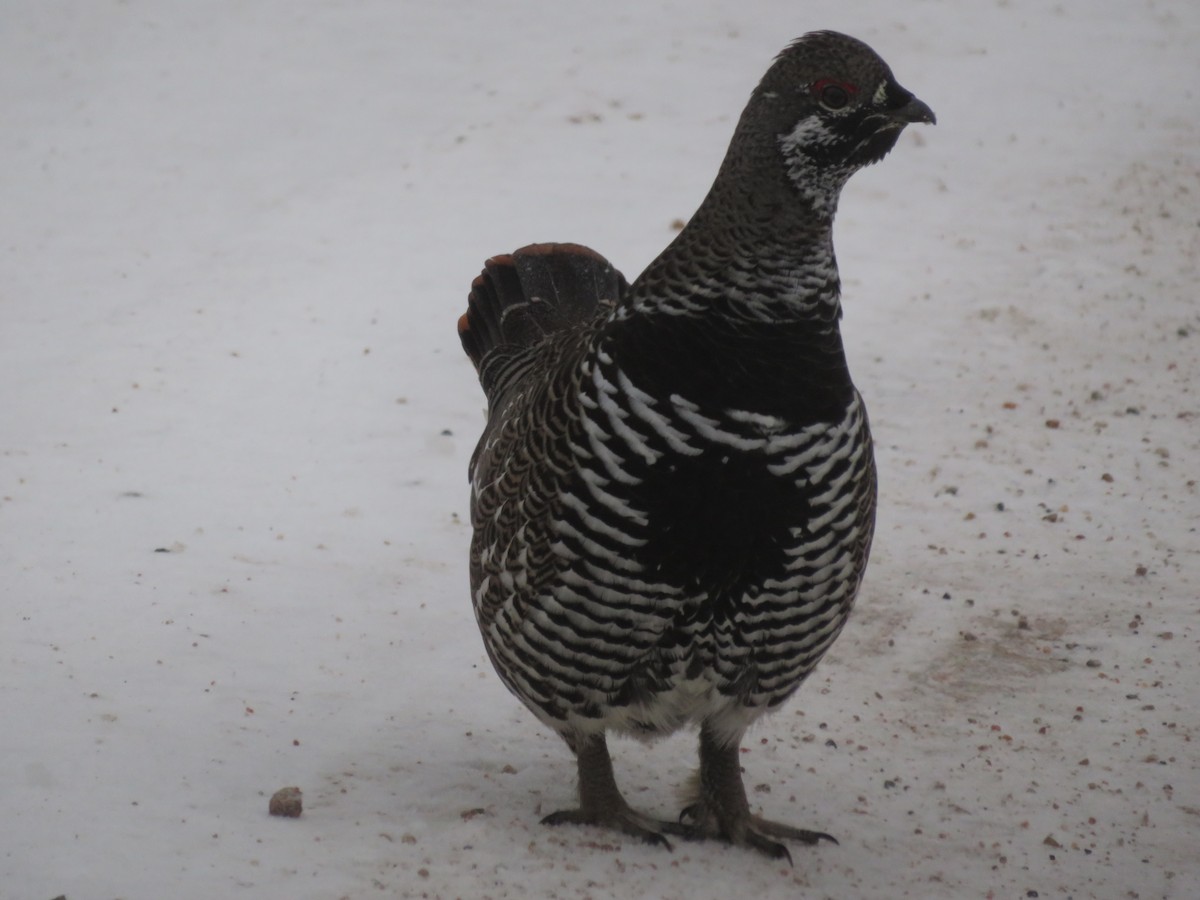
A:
600, 800
720, 809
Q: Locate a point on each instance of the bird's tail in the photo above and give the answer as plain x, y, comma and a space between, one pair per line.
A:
521, 298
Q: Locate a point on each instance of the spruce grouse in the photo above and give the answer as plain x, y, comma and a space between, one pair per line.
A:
674, 495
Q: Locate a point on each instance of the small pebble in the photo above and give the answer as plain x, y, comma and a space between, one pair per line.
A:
286, 802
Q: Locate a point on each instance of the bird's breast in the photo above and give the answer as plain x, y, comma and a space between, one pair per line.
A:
722, 502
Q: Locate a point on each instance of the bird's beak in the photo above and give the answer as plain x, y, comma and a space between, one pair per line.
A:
914, 111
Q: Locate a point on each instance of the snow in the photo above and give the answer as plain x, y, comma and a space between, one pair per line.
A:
236, 237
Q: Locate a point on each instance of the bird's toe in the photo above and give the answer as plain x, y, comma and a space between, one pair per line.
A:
626, 821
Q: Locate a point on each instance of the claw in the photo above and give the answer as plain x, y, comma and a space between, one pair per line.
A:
773, 849
789, 833
657, 840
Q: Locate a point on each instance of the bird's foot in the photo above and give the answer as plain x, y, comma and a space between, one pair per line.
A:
720, 811
600, 801
624, 819
697, 822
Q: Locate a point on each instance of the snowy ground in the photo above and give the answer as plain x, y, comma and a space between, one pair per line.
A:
235, 240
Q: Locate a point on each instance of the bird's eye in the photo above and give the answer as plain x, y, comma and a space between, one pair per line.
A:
833, 95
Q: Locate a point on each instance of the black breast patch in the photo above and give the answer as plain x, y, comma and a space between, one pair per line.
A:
720, 521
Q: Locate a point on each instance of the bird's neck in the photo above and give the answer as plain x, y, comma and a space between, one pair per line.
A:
752, 281
758, 248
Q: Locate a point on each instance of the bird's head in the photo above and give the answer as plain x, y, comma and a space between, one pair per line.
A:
831, 106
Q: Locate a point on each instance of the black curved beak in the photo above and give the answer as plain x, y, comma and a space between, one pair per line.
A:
914, 111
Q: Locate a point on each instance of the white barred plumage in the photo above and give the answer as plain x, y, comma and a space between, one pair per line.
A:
673, 499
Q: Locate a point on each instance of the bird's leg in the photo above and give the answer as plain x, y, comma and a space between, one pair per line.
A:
721, 810
600, 800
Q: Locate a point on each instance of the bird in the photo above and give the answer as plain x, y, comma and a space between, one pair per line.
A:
673, 496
